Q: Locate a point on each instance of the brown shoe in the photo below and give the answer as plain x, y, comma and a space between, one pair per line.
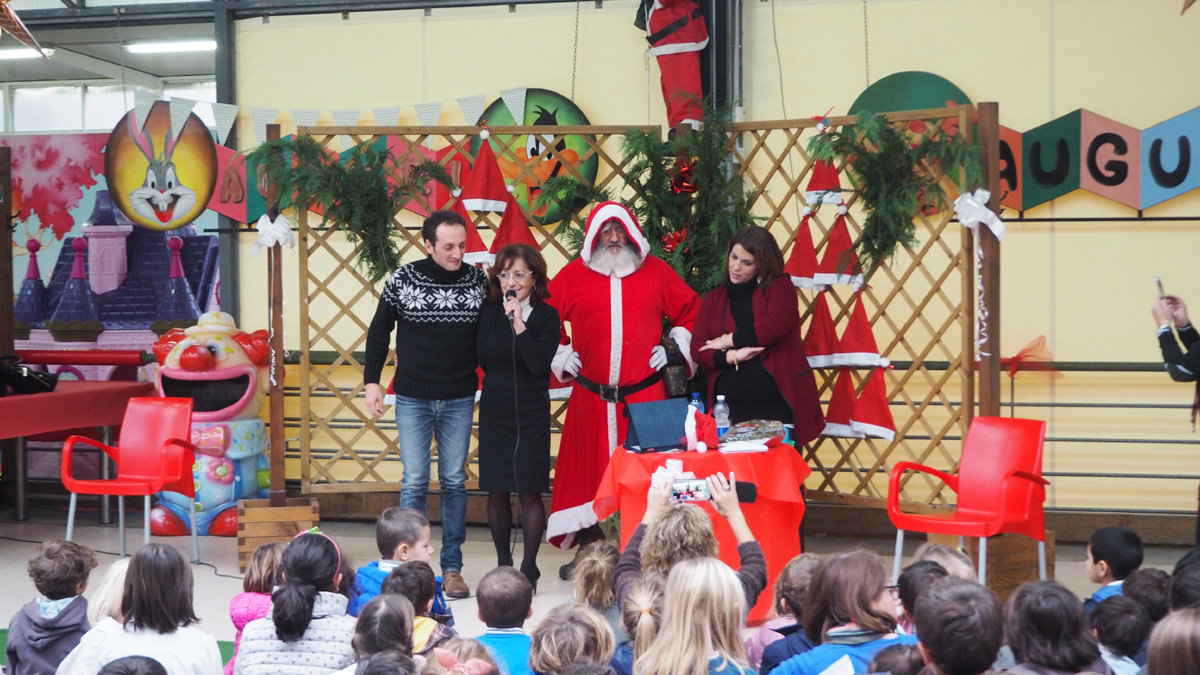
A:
454, 586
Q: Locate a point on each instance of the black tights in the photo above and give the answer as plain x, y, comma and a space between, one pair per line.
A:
533, 527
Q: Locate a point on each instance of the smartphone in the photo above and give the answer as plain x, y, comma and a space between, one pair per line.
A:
690, 490
1158, 283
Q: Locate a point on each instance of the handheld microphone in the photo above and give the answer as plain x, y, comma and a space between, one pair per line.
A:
508, 295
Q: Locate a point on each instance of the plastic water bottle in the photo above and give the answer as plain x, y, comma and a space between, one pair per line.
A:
696, 402
721, 415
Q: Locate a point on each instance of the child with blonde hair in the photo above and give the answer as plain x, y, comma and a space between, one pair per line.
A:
461, 656
592, 578
672, 531
262, 575
567, 634
641, 616
106, 599
704, 610
953, 560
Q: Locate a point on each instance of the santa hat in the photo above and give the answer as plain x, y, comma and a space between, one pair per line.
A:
820, 343
823, 184
700, 430
871, 415
476, 250
802, 262
513, 228
839, 263
857, 346
841, 407
484, 189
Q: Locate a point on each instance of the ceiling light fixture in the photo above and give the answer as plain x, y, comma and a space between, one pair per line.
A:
172, 47
22, 53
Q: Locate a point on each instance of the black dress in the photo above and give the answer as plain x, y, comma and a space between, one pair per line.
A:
514, 407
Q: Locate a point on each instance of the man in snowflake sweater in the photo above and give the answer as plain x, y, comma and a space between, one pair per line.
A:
434, 305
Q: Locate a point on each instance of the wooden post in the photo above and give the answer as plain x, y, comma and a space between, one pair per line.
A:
278, 444
989, 364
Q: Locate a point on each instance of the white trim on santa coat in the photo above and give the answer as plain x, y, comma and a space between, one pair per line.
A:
566, 523
617, 338
873, 430
677, 48
865, 359
841, 431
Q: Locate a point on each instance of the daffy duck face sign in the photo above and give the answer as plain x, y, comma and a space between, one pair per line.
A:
160, 180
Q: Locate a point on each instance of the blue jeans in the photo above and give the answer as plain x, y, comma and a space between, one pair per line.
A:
418, 421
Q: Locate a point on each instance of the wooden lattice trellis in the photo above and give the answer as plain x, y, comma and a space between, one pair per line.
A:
920, 304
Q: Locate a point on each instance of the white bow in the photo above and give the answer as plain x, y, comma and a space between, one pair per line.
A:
971, 209
271, 232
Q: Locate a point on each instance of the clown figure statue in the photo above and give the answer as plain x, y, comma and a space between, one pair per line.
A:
224, 370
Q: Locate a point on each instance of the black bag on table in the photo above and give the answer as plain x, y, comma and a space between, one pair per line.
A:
16, 378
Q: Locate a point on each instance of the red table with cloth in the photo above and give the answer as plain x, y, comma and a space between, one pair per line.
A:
73, 404
774, 517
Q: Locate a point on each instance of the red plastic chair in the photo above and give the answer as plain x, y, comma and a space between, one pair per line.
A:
151, 455
999, 486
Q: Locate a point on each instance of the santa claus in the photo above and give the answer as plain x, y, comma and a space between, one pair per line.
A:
615, 296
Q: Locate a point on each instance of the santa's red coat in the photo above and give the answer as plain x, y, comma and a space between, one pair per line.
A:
614, 324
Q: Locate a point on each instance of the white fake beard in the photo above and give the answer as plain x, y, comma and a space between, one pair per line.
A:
620, 264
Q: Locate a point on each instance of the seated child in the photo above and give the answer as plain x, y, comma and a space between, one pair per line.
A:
953, 560
960, 625
262, 575
790, 589
1150, 587
385, 625
912, 583
641, 614
461, 655
567, 634
592, 582
898, 660
48, 627
415, 580
1121, 626
1112, 554
505, 599
401, 535
133, 665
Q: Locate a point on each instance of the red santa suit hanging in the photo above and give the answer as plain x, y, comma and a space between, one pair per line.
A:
616, 314
676, 32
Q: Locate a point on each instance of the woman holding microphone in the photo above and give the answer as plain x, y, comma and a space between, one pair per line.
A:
518, 335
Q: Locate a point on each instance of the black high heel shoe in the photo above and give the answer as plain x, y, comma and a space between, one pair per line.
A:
532, 573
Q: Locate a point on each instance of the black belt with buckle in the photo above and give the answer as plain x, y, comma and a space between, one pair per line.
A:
614, 393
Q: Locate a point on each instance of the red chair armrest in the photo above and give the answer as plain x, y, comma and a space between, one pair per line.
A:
898, 471
69, 449
180, 442
1032, 477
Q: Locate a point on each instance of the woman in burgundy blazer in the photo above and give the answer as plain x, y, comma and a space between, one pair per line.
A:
747, 336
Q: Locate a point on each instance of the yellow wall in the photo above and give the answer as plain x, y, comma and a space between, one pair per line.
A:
1086, 286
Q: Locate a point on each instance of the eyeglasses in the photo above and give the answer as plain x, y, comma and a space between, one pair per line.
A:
894, 591
517, 276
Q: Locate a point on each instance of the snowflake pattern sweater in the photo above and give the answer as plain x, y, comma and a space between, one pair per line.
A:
434, 312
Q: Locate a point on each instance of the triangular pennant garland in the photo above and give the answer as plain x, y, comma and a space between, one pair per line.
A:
225, 114
802, 262
260, 118
181, 108
428, 114
472, 107
821, 340
305, 117
841, 406
513, 228
857, 346
346, 118
142, 102
387, 115
484, 189
872, 416
514, 100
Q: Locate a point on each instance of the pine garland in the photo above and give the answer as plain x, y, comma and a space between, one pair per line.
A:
896, 177
699, 225
359, 194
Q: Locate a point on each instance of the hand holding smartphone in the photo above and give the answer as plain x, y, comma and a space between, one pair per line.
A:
690, 490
